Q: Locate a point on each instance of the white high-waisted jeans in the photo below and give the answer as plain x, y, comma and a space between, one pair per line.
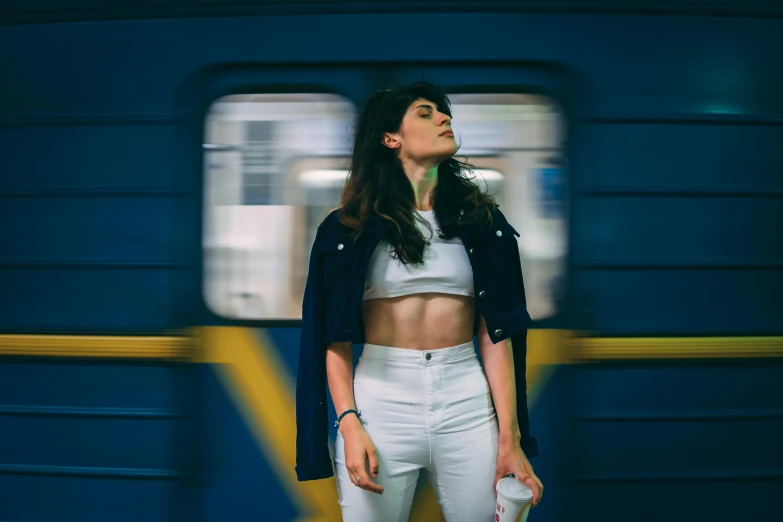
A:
425, 410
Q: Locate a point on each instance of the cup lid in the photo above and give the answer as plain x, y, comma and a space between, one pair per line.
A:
513, 489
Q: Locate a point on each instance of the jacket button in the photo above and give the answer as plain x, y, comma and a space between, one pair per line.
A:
340, 246
470, 251
499, 233
482, 293
498, 332
428, 356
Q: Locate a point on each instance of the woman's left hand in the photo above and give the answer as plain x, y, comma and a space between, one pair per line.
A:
511, 459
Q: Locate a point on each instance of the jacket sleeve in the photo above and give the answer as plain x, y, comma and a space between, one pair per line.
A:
519, 348
313, 460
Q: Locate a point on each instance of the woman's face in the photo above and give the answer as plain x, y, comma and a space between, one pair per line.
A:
425, 135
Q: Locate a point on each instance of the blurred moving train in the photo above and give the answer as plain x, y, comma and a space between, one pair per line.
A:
165, 166
281, 161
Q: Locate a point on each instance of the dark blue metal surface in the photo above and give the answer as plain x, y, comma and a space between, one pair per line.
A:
679, 442
83, 439
674, 133
241, 483
685, 117
47, 11
54, 499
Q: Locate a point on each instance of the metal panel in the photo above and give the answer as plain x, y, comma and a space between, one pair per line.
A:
683, 157
130, 298
674, 301
691, 232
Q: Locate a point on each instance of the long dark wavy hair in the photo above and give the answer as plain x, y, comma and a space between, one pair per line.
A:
377, 182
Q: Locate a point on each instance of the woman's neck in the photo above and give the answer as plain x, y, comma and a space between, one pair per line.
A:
423, 180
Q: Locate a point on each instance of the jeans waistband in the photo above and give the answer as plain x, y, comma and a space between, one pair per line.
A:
436, 356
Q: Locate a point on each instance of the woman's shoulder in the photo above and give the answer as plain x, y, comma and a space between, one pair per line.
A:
329, 228
499, 222
498, 216
332, 223
331, 219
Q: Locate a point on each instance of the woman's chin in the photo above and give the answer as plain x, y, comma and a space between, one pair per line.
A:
438, 156
450, 152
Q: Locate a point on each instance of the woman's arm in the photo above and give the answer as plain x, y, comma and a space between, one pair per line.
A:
339, 373
359, 449
499, 367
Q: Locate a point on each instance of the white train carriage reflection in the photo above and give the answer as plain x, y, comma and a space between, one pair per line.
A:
275, 164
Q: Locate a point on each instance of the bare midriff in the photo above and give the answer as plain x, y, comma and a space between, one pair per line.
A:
419, 321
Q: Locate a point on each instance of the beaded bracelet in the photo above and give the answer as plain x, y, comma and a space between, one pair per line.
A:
343, 414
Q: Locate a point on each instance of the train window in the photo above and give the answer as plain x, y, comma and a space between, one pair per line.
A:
275, 165
519, 138
260, 214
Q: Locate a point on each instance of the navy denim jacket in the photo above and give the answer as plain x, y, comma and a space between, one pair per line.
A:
332, 312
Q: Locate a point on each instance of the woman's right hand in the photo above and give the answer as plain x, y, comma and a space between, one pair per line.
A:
359, 449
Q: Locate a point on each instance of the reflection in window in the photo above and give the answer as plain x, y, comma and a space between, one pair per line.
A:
275, 165
521, 136
259, 218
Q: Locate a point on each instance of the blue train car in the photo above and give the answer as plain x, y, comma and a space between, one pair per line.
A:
163, 168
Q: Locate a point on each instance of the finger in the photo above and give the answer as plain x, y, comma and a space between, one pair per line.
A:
364, 482
373, 462
533, 485
540, 486
529, 478
498, 475
353, 475
373, 487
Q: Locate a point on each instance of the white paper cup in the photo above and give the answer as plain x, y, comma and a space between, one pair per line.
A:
514, 500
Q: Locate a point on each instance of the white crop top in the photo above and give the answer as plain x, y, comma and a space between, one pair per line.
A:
446, 268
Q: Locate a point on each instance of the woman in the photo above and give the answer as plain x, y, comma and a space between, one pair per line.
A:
400, 267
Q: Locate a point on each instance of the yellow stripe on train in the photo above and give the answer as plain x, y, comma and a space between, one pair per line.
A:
96, 346
545, 347
263, 390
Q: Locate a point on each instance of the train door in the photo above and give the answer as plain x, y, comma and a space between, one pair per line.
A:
274, 145
275, 153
